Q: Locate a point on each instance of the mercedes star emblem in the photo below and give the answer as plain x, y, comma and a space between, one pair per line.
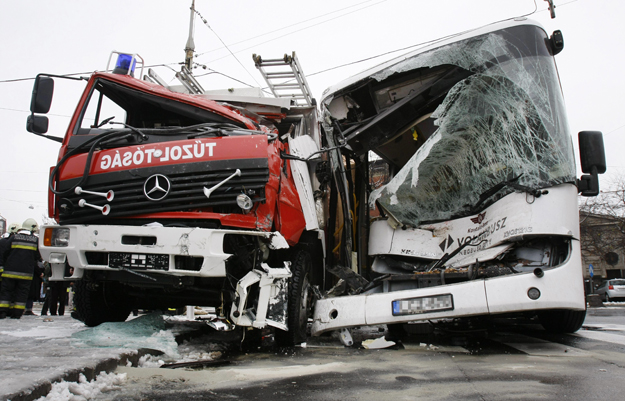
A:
156, 187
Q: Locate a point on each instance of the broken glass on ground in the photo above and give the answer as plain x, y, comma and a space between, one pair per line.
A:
148, 331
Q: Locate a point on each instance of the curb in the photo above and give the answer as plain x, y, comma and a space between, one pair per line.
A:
41, 389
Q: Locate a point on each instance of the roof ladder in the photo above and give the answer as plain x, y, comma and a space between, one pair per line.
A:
284, 83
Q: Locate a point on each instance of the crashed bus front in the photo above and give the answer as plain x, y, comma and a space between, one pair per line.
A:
475, 211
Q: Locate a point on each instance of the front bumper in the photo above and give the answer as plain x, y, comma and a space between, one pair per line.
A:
560, 288
167, 241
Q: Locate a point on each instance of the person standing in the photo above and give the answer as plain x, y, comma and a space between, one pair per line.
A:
35, 289
13, 228
18, 256
58, 297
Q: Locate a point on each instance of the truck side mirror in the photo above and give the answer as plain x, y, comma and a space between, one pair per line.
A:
37, 124
40, 103
592, 156
42, 95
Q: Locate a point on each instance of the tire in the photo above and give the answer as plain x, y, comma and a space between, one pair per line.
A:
299, 301
396, 332
562, 321
97, 303
607, 298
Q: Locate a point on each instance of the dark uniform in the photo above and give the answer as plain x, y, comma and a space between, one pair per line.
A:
18, 255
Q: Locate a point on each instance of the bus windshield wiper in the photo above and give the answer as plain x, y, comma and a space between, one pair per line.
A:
511, 183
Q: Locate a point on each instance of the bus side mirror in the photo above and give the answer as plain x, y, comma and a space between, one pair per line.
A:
557, 42
40, 103
592, 156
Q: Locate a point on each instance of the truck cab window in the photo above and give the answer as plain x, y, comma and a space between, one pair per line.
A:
99, 108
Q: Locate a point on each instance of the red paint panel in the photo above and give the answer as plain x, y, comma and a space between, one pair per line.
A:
265, 212
174, 152
51, 203
247, 221
291, 222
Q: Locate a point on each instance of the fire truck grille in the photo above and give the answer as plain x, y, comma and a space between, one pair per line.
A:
178, 189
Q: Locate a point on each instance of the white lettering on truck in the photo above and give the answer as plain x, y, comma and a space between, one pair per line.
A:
144, 156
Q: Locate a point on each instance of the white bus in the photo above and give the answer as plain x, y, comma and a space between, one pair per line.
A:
455, 189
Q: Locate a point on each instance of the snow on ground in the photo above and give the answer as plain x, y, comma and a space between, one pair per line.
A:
35, 350
84, 389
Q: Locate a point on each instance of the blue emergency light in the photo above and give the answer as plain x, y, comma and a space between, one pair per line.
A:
125, 64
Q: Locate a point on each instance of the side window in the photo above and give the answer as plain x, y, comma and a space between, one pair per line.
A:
101, 107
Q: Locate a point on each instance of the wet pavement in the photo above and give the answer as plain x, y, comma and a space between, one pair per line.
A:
477, 362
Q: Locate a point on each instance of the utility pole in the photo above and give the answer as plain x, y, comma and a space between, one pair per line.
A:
190, 46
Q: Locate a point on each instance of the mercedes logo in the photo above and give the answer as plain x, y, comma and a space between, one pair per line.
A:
156, 187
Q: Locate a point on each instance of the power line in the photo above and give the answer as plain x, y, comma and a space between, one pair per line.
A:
303, 29
79, 73
226, 46
288, 26
21, 190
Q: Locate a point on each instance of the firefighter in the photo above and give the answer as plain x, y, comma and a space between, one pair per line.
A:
13, 228
18, 255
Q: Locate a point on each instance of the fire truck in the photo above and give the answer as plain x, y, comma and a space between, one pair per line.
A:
173, 196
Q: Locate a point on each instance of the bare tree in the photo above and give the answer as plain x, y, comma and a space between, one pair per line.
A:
602, 221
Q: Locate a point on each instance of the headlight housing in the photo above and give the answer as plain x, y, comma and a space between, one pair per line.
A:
245, 202
56, 236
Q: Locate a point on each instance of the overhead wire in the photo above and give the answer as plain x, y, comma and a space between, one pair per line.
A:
289, 26
290, 33
226, 46
303, 29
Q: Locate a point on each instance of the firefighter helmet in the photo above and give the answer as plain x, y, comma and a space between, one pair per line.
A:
30, 225
13, 228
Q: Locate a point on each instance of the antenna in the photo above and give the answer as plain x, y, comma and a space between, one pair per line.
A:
190, 46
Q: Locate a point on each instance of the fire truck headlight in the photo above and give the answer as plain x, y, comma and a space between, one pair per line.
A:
245, 202
56, 236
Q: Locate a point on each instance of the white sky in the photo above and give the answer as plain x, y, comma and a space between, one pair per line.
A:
62, 37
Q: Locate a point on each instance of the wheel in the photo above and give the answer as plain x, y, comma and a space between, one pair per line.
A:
562, 321
607, 297
299, 301
97, 303
396, 332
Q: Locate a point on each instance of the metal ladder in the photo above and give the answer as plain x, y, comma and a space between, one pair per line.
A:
282, 83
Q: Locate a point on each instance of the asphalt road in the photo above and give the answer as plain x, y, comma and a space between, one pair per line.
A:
509, 360
479, 362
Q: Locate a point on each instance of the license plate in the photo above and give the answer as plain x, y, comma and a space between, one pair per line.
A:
414, 306
139, 261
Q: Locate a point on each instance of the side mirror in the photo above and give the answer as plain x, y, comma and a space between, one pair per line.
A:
592, 156
42, 95
557, 42
37, 124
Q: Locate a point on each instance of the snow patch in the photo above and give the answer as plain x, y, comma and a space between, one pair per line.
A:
84, 389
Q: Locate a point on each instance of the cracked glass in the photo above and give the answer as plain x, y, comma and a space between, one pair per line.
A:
505, 121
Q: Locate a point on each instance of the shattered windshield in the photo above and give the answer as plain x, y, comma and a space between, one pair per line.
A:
506, 121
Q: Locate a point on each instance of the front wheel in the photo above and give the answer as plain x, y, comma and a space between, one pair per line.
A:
562, 321
299, 300
97, 303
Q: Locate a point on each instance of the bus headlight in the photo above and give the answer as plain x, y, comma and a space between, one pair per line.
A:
56, 236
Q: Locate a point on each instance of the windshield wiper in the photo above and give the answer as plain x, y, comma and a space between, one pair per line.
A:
511, 183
